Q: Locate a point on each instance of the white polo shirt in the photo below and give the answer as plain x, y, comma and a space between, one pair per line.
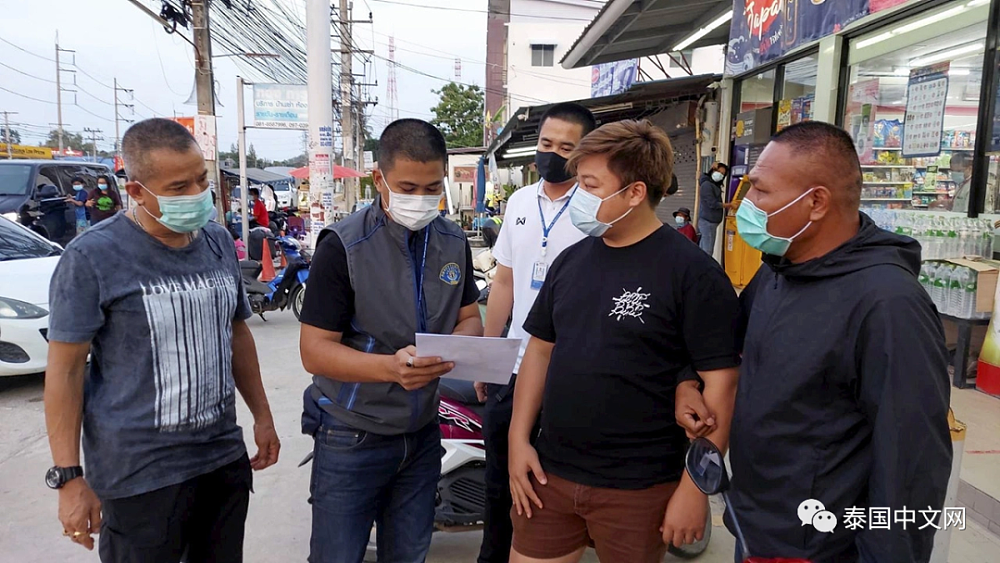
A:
519, 247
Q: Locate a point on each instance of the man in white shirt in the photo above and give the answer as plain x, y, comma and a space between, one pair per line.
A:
536, 229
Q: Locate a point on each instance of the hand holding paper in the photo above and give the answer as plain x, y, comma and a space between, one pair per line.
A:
476, 358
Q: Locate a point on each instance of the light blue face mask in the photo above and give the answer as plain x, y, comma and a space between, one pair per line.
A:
751, 222
183, 213
583, 208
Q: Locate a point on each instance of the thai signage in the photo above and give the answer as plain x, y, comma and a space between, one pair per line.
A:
608, 79
763, 30
280, 106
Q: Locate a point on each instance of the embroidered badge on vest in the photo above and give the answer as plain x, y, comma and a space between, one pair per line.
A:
451, 273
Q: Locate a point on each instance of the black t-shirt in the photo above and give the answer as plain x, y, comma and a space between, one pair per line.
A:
625, 323
329, 303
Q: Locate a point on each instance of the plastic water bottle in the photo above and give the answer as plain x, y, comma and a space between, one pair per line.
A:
956, 291
925, 277
940, 288
952, 246
988, 234
971, 286
967, 244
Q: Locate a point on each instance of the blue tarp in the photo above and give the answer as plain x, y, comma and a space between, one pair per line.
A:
481, 186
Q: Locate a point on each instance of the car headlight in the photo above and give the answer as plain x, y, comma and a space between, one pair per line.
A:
12, 216
14, 309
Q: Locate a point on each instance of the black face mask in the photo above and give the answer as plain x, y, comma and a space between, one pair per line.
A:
552, 167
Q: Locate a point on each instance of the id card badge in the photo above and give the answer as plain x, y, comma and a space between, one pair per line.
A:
538, 275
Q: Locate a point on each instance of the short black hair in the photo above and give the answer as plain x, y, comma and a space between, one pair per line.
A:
149, 135
412, 139
78, 179
254, 191
829, 144
960, 160
571, 112
724, 166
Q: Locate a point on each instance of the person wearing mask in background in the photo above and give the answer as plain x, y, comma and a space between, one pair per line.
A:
79, 200
259, 216
537, 231
155, 298
843, 393
682, 218
711, 211
380, 276
961, 174
105, 202
622, 317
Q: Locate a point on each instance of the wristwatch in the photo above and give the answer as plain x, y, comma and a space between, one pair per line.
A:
56, 477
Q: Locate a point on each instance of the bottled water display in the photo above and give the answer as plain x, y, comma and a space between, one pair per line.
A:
952, 288
940, 237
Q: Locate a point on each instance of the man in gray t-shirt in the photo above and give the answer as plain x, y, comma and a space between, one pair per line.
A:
155, 295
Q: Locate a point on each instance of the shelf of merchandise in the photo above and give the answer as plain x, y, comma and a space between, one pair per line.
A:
930, 193
942, 149
888, 166
886, 199
881, 183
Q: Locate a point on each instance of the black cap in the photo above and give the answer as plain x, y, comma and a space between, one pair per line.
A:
683, 210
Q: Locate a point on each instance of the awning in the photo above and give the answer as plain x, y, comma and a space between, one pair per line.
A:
630, 29
258, 176
516, 142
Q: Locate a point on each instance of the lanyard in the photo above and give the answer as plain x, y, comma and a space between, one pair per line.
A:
421, 321
548, 229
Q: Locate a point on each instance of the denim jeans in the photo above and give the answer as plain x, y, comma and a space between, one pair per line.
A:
497, 528
707, 231
360, 478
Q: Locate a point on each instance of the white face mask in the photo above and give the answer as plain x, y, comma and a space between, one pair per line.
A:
717, 176
412, 211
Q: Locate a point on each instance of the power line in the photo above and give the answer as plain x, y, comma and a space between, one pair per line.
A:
26, 97
470, 10
27, 74
27, 51
85, 110
163, 71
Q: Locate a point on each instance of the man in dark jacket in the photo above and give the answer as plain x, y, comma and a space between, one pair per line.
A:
712, 210
843, 393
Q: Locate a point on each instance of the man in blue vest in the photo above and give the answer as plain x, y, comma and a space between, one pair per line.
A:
379, 277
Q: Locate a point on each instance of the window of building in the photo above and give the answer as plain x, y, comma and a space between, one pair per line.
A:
798, 91
912, 106
543, 55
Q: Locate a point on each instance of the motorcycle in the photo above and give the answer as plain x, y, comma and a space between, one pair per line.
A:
287, 289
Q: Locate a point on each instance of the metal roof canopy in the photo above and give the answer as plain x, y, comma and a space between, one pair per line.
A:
257, 175
630, 29
642, 100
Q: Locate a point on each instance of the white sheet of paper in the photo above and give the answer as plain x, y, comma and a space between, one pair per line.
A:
476, 358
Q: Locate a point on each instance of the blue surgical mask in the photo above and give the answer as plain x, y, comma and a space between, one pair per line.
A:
103, 187
77, 187
751, 222
958, 177
680, 220
183, 213
583, 208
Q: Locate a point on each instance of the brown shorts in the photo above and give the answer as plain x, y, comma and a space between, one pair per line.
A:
623, 526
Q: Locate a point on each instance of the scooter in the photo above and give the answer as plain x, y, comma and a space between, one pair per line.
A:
287, 289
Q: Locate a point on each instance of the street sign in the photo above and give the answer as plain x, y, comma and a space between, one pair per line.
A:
280, 106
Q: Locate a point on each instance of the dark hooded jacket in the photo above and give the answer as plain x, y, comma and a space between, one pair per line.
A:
710, 199
843, 398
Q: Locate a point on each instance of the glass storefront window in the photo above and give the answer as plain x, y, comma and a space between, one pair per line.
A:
798, 91
757, 92
935, 81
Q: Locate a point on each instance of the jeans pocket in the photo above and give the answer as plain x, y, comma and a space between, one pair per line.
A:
340, 439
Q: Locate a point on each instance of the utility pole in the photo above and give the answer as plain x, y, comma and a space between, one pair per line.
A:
59, 90
318, 61
7, 140
119, 118
205, 87
241, 139
93, 140
346, 103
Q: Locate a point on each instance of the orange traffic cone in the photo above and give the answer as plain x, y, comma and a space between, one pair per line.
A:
284, 262
267, 273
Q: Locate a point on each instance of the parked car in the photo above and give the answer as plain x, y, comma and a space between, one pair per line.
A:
32, 193
26, 264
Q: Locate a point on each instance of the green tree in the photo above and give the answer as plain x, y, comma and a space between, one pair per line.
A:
251, 157
459, 115
15, 136
70, 140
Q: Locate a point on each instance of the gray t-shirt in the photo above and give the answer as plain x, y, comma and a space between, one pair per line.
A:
159, 403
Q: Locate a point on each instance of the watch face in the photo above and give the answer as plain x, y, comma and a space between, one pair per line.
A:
53, 478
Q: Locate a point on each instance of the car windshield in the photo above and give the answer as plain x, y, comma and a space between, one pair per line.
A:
14, 179
18, 243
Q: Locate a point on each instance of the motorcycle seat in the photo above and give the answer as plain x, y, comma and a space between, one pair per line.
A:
463, 392
251, 268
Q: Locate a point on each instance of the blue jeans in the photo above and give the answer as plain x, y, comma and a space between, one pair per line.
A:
707, 231
360, 478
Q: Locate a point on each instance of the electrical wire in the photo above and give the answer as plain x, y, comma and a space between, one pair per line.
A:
27, 74
27, 51
87, 111
26, 97
163, 71
474, 11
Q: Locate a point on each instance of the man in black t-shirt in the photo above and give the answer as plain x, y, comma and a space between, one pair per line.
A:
621, 315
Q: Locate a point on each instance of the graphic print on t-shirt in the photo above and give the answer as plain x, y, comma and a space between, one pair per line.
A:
191, 357
630, 304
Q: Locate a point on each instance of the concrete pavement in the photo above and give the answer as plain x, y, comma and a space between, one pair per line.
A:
279, 519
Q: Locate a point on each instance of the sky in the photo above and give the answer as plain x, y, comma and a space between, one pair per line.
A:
114, 39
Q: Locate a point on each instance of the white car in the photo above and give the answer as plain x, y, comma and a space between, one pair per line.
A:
26, 265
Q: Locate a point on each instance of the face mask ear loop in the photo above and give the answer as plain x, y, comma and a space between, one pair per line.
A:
791, 203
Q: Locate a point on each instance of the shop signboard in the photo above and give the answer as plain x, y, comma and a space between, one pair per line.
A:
608, 79
879, 5
22, 151
369, 161
202, 128
280, 106
926, 95
763, 30
862, 101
